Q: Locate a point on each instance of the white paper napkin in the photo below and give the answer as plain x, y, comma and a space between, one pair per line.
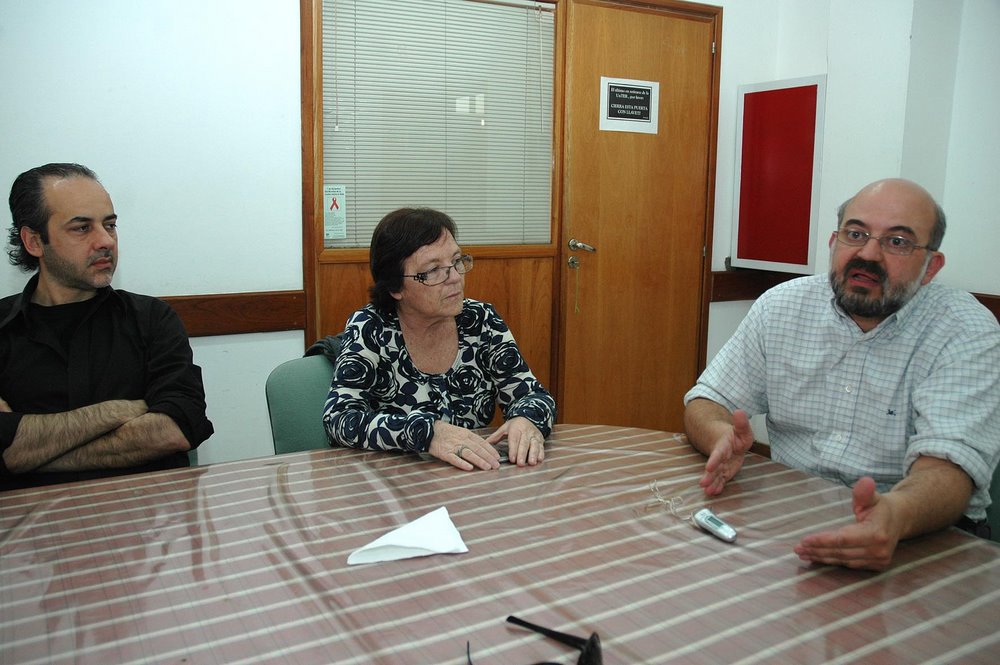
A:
434, 533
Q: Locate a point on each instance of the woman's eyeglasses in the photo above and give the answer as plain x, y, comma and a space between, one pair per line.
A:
435, 276
590, 648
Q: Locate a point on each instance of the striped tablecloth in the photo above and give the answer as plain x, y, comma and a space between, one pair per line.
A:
246, 562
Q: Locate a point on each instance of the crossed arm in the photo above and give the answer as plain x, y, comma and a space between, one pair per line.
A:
111, 434
932, 496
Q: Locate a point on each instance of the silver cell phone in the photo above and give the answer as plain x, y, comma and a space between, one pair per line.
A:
712, 523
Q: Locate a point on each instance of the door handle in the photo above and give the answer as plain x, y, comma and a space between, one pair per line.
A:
575, 244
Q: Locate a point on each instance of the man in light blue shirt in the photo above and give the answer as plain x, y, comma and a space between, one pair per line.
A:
872, 376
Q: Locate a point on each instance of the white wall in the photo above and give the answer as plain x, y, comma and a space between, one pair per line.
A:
189, 112
972, 181
762, 40
910, 92
931, 93
235, 368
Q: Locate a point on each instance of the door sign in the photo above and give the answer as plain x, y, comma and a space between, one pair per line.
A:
628, 105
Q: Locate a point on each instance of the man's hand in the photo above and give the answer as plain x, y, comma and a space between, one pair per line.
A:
525, 444
462, 448
932, 496
728, 452
869, 543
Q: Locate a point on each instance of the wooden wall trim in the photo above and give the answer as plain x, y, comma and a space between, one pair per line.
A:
275, 311
311, 86
745, 284
991, 302
238, 313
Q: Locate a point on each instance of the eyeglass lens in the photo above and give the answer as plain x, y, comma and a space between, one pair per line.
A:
462, 265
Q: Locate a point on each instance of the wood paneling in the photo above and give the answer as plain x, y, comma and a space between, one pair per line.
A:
521, 289
237, 313
342, 289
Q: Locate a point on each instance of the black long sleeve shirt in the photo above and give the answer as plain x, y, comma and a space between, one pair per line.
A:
125, 346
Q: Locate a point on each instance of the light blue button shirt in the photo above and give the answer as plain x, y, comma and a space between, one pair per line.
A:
842, 403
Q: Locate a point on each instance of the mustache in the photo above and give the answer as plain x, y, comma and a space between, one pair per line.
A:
868, 266
103, 254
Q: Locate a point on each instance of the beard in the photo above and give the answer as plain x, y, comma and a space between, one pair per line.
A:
857, 301
70, 275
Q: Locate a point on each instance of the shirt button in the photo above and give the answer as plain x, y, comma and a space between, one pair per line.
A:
847, 389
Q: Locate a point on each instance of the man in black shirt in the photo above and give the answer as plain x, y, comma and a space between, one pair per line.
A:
94, 381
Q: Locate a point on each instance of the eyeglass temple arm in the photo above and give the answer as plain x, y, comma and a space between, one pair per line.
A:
569, 640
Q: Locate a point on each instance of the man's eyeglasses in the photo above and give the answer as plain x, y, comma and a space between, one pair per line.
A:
590, 648
900, 245
435, 276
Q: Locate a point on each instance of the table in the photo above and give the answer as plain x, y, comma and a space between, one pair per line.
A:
246, 562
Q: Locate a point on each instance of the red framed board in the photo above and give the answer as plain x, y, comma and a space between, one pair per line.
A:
778, 158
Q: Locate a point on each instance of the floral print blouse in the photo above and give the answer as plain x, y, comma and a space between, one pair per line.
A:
379, 400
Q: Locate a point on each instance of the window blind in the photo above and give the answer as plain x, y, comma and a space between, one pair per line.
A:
440, 103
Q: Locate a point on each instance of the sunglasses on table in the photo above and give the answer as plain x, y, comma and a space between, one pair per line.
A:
590, 648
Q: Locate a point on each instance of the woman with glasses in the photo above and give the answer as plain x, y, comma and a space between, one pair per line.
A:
421, 366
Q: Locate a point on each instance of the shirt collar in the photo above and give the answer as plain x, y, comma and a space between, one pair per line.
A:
21, 302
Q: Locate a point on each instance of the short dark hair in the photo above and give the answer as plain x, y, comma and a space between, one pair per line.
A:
28, 207
397, 236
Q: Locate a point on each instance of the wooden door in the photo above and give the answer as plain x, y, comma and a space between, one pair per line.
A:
631, 338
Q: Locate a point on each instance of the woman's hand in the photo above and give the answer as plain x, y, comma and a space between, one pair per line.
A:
525, 444
460, 447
